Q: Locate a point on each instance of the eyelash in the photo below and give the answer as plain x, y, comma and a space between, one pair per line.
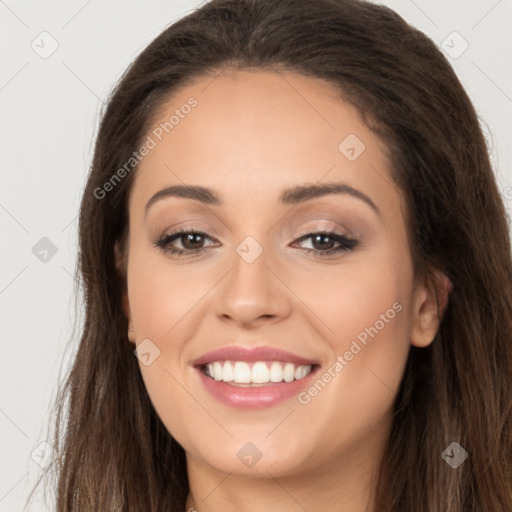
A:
163, 243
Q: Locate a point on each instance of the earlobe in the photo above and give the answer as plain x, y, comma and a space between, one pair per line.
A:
430, 303
131, 335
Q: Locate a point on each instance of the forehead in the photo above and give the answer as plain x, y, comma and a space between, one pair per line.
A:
258, 131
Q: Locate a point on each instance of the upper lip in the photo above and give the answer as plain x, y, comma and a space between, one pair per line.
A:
238, 353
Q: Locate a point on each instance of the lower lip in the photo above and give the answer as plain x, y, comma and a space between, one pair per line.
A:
254, 397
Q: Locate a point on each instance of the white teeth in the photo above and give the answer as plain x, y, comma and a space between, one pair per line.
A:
261, 372
289, 372
242, 373
276, 372
217, 371
300, 372
228, 373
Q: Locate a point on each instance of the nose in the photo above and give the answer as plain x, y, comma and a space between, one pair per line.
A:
253, 293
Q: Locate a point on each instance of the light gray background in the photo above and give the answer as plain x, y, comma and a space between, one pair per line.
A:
49, 115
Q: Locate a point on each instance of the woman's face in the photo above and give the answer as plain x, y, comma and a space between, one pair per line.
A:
343, 306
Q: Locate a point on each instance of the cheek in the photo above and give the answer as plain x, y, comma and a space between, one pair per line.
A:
161, 294
162, 298
368, 319
360, 294
364, 312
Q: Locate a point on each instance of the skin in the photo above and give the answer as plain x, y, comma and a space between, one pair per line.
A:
252, 134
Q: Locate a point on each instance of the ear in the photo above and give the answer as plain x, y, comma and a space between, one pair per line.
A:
120, 262
430, 302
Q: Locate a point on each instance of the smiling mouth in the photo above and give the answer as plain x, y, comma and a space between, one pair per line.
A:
256, 374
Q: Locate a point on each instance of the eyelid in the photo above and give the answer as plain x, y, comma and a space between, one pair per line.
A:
322, 226
319, 226
192, 225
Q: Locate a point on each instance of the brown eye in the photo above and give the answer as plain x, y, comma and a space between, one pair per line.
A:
191, 242
324, 242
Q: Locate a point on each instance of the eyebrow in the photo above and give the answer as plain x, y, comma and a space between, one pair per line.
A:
289, 196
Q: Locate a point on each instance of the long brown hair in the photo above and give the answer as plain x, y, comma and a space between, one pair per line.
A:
112, 450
